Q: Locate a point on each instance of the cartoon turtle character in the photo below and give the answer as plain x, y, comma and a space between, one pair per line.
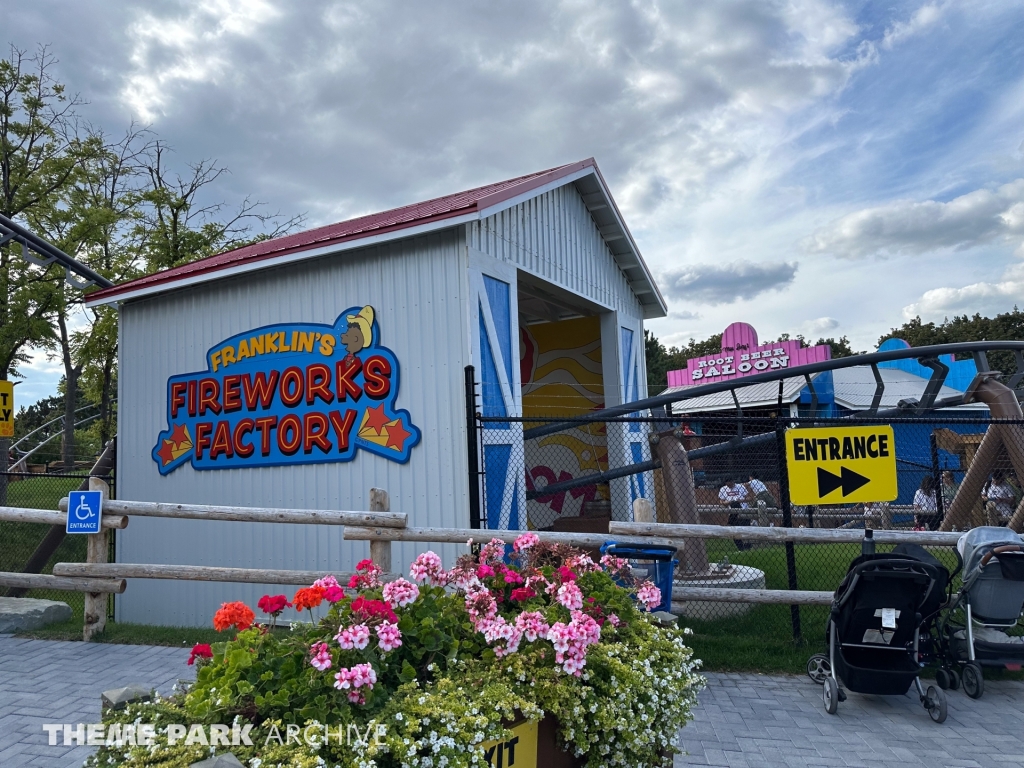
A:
359, 333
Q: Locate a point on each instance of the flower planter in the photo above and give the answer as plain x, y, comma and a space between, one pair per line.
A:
437, 668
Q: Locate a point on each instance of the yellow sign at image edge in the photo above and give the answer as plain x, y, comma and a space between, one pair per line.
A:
518, 751
6, 409
841, 465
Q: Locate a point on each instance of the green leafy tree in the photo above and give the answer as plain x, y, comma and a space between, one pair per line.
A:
840, 347
1007, 326
661, 360
39, 154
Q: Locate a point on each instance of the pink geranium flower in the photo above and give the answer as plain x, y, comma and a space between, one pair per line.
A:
400, 593
320, 656
428, 567
357, 637
649, 596
570, 596
389, 637
525, 541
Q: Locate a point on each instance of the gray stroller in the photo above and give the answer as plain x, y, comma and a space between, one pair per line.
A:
973, 631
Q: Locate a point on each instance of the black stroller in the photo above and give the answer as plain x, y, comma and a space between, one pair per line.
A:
879, 632
991, 599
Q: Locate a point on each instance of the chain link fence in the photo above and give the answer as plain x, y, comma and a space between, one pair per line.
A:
590, 472
43, 490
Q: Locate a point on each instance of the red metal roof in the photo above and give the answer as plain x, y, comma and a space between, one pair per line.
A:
438, 209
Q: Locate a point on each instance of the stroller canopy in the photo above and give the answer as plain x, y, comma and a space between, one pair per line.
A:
976, 542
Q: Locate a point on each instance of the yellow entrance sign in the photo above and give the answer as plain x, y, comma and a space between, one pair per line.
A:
6, 409
841, 465
518, 751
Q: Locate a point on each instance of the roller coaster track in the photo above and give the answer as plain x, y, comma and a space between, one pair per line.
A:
928, 356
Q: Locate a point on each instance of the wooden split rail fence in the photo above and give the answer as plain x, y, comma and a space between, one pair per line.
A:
381, 528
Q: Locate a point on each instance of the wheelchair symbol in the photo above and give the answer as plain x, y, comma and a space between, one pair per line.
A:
83, 507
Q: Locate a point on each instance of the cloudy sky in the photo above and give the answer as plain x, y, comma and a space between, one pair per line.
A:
806, 166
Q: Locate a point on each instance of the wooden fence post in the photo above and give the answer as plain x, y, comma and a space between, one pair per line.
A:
97, 549
380, 551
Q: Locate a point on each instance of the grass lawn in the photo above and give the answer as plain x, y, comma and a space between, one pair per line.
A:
130, 634
19, 540
40, 492
762, 640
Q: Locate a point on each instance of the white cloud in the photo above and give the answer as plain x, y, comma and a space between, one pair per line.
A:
988, 298
727, 131
171, 53
684, 315
820, 325
725, 283
912, 227
923, 18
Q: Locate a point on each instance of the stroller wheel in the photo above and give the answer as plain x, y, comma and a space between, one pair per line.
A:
943, 679
818, 668
935, 703
830, 695
954, 680
974, 683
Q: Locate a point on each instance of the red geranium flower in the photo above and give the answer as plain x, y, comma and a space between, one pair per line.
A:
522, 593
373, 609
200, 650
308, 597
238, 615
566, 573
273, 605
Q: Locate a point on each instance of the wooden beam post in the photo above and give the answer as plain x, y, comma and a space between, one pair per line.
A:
97, 548
380, 550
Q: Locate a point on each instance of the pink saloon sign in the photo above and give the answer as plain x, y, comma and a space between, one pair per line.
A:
741, 355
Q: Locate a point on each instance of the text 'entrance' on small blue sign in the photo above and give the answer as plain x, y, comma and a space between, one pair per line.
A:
85, 509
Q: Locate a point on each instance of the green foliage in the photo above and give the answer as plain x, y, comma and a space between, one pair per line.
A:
1007, 326
446, 690
39, 155
116, 206
661, 360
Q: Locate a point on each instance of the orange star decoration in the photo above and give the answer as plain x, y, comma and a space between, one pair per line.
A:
177, 446
396, 435
374, 419
377, 428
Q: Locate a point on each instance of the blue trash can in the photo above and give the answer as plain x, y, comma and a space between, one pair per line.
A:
661, 569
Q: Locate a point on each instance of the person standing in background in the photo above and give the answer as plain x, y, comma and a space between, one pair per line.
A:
998, 496
760, 492
734, 496
926, 504
949, 488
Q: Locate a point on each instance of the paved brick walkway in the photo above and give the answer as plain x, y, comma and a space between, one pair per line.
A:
44, 681
760, 721
743, 720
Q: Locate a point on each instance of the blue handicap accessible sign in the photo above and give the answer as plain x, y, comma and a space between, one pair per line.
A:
84, 511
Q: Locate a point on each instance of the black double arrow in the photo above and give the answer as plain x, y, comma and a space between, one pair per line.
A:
847, 479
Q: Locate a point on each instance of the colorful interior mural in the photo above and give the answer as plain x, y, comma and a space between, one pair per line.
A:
561, 376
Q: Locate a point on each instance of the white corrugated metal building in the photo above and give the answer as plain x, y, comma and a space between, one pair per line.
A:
431, 288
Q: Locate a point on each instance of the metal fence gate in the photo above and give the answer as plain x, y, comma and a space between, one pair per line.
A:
739, 468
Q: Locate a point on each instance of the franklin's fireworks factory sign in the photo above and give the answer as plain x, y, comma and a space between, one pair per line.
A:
288, 394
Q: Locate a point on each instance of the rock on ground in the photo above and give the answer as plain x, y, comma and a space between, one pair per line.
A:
18, 614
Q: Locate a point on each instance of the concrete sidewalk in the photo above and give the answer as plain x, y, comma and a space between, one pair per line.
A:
742, 720
760, 721
45, 681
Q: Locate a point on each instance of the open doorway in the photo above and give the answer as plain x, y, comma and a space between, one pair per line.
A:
561, 371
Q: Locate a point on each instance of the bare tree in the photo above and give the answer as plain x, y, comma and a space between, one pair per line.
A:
180, 225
